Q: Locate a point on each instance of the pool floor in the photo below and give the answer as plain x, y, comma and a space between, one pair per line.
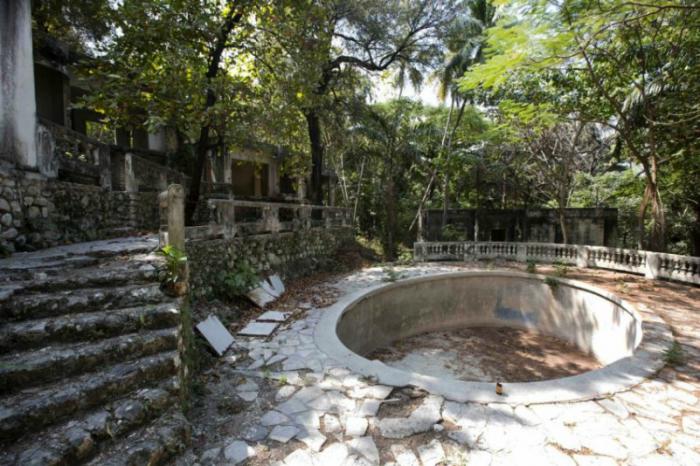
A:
487, 354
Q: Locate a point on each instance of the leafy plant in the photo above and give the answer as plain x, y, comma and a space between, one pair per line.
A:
175, 261
674, 355
391, 275
531, 266
240, 280
551, 282
452, 233
560, 269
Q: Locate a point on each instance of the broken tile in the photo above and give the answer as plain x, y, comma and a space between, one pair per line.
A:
355, 426
260, 297
312, 438
283, 434
258, 329
272, 316
272, 418
238, 451
216, 334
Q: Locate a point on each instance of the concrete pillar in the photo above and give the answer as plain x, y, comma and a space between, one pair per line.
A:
581, 256
17, 97
652, 265
130, 183
172, 203
301, 190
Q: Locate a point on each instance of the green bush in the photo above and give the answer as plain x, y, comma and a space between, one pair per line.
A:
531, 266
560, 269
452, 233
240, 280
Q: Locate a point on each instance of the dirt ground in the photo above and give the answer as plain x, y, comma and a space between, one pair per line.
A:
487, 354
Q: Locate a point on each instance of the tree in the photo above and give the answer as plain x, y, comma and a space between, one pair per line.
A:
366, 35
179, 64
623, 59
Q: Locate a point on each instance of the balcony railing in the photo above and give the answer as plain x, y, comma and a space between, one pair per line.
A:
228, 218
650, 264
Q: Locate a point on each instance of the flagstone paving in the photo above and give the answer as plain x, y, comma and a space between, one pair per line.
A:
284, 402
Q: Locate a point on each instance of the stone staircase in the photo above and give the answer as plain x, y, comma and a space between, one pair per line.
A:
88, 357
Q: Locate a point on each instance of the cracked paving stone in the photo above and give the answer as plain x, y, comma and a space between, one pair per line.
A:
254, 433
432, 453
313, 438
272, 418
331, 424
285, 392
355, 426
365, 447
403, 456
283, 434
369, 407
238, 451
590, 460
334, 454
248, 396
291, 406
299, 457
420, 420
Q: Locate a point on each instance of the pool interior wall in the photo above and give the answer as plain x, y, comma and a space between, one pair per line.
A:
595, 323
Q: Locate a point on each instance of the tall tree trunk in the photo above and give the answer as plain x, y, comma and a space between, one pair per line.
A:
313, 121
233, 17
562, 225
695, 234
446, 178
652, 198
391, 219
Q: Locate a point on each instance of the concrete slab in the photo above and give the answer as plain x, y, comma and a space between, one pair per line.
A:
216, 334
260, 297
273, 316
258, 329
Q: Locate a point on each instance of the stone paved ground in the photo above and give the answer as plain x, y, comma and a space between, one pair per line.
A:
281, 401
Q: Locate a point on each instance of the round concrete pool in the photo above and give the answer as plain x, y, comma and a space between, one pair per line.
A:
596, 322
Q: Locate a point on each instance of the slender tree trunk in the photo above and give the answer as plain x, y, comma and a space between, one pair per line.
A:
446, 178
313, 121
202, 146
391, 219
562, 224
359, 190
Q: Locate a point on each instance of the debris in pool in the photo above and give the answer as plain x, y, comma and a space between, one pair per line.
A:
499, 388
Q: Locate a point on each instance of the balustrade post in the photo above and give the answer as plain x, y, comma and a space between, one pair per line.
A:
581, 256
652, 265
521, 253
271, 220
172, 204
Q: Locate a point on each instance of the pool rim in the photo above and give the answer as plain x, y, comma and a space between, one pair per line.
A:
621, 375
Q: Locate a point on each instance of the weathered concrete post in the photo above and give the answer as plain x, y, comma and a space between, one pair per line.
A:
652, 265
17, 98
172, 216
521, 253
582, 256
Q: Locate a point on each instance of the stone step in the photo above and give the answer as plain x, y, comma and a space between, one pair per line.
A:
151, 445
58, 303
16, 336
32, 409
81, 438
51, 363
141, 268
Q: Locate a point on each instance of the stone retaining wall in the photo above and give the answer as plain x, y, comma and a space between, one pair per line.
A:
290, 254
37, 212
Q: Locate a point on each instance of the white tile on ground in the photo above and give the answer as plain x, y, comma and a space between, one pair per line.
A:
258, 329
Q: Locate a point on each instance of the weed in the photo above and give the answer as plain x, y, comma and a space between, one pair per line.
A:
175, 261
282, 380
531, 266
390, 275
551, 282
240, 280
674, 355
560, 269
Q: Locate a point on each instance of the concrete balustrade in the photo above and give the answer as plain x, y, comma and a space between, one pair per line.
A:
652, 265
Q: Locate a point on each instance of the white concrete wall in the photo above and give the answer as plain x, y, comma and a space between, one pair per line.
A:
17, 98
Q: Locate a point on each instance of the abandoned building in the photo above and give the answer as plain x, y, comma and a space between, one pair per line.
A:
596, 227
